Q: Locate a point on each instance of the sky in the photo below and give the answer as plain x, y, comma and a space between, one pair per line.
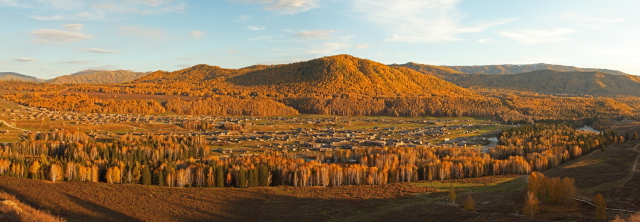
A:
49, 38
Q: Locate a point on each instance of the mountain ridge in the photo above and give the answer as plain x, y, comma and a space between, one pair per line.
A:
98, 77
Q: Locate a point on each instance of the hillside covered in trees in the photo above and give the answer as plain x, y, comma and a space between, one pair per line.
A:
554, 82
335, 85
98, 77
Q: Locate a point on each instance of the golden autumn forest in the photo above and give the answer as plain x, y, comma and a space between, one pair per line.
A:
330, 129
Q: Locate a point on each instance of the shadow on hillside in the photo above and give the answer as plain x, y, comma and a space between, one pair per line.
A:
79, 201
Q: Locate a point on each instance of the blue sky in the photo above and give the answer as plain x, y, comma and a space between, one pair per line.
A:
49, 38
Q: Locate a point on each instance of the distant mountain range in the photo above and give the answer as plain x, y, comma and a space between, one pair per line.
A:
348, 74
501, 69
6, 76
595, 83
98, 77
512, 69
89, 76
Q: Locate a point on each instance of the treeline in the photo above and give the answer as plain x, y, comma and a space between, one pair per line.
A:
186, 160
79, 102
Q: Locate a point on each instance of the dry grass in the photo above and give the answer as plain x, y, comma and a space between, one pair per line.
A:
14, 210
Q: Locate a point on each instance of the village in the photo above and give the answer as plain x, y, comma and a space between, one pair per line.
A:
246, 135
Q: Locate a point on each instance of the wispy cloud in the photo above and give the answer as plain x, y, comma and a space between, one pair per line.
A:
289, 7
255, 28
315, 34
77, 61
1, 62
590, 21
94, 50
327, 48
142, 31
186, 65
537, 36
73, 27
361, 46
232, 51
243, 18
95, 9
22, 59
258, 38
197, 34
53, 36
419, 21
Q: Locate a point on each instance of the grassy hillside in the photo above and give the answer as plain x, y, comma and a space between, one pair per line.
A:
98, 77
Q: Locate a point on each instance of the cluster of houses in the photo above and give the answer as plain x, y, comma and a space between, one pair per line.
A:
314, 134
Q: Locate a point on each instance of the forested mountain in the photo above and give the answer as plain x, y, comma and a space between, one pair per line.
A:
554, 82
6, 76
341, 74
98, 76
511, 69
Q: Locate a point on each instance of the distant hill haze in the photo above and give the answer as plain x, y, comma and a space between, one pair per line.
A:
340, 74
554, 82
511, 69
6, 76
98, 77
500, 69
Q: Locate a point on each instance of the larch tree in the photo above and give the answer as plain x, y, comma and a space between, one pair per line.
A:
531, 205
601, 208
452, 194
469, 203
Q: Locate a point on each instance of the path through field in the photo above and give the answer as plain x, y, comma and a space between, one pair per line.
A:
5, 123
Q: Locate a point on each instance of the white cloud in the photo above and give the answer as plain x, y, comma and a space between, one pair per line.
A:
95, 9
73, 27
197, 34
255, 28
77, 61
315, 34
142, 31
151, 2
94, 50
261, 38
537, 36
483, 40
105, 67
289, 7
52, 36
186, 65
1, 62
243, 18
590, 22
22, 59
328, 48
418, 21
362, 46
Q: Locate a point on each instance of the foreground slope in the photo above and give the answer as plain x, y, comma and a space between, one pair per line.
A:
98, 77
